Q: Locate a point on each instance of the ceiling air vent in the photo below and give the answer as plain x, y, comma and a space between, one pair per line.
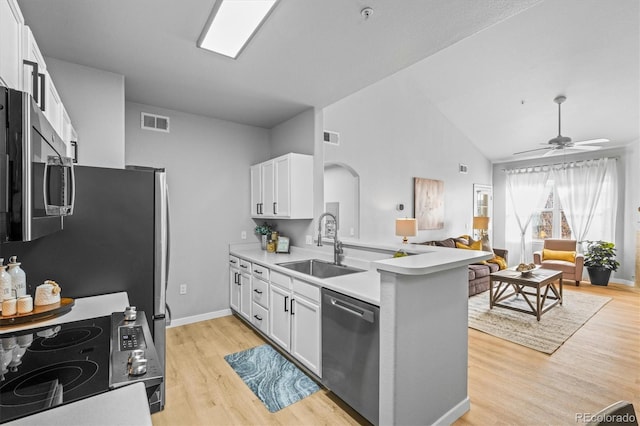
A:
332, 138
154, 122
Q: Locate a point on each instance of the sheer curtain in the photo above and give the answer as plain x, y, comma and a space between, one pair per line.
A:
526, 190
603, 223
585, 197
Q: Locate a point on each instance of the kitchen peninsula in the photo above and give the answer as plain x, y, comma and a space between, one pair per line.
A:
423, 322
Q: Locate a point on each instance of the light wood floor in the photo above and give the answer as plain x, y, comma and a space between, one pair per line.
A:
508, 384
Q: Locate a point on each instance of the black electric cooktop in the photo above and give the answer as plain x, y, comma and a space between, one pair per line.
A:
44, 367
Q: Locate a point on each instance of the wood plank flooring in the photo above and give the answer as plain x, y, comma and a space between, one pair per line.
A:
508, 384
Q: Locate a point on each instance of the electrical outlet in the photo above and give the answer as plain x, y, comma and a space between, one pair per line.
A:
309, 239
243, 235
183, 289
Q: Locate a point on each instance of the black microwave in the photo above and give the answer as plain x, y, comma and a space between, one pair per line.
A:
37, 182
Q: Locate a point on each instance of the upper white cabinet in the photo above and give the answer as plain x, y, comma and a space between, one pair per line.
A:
283, 187
33, 68
11, 24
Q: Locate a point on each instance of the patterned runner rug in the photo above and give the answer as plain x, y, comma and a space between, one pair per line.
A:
554, 328
272, 378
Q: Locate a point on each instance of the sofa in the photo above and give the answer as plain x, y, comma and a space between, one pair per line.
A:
478, 272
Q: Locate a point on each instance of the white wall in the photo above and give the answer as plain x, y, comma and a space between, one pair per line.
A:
94, 100
207, 163
390, 133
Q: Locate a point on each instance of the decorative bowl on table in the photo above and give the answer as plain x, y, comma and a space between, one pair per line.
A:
526, 269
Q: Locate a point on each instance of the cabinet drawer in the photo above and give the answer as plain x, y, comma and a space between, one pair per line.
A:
234, 261
260, 292
260, 272
281, 279
245, 265
307, 290
260, 318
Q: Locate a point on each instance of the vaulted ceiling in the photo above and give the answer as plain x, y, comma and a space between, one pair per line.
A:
492, 67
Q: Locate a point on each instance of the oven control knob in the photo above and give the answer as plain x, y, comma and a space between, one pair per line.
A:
138, 367
135, 354
130, 313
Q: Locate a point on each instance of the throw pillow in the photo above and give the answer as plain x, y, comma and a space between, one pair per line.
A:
502, 264
475, 245
567, 256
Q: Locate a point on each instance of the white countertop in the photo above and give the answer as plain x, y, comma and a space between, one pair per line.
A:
124, 406
365, 285
84, 308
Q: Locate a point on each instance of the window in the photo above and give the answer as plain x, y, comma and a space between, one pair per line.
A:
550, 221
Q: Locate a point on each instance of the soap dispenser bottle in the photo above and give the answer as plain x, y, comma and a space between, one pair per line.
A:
18, 277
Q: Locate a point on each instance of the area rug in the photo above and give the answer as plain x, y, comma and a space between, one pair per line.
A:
276, 381
554, 328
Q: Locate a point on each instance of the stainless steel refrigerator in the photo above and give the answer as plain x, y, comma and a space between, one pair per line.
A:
116, 240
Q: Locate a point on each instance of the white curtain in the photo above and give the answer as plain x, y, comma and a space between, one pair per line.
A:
603, 223
526, 190
580, 186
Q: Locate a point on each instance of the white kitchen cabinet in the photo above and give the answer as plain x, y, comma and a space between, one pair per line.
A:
11, 24
295, 320
34, 69
283, 187
53, 106
240, 286
234, 286
260, 298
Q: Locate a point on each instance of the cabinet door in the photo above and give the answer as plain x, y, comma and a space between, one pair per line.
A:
279, 316
282, 185
234, 289
256, 190
268, 190
305, 333
53, 107
33, 83
245, 295
11, 22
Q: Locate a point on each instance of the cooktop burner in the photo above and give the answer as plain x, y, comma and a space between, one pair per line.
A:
48, 366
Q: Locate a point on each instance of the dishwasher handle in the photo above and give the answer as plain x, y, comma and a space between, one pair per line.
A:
365, 314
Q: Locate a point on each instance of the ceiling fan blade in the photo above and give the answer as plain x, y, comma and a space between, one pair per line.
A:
585, 148
591, 141
532, 150
552, 152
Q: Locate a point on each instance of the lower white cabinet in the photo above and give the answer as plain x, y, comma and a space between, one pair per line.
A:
294, 315
240, 286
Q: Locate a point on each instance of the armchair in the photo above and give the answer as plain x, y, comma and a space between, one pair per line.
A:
558, 255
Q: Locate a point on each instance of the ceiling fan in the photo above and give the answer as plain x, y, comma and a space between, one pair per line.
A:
564, 142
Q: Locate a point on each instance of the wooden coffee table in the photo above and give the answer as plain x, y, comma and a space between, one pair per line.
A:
539, 279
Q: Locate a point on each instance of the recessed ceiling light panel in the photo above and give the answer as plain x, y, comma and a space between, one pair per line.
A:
232, 24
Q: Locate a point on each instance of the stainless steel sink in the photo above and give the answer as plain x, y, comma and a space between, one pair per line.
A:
319, 268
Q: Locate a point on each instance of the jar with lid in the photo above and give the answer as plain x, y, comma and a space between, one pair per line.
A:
18, 277
6, 290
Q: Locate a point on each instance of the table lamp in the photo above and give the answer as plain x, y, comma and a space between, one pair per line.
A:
406, 227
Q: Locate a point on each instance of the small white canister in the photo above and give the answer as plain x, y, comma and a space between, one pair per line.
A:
9, 307
18, 277
25, 304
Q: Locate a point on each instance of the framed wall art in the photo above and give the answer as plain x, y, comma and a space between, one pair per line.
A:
429, 203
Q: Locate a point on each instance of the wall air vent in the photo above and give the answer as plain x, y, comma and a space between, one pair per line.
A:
155, 122
332, 138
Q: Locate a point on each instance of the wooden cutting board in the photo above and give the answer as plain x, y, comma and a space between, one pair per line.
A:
39, 313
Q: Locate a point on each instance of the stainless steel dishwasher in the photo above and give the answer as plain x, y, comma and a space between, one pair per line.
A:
351, 351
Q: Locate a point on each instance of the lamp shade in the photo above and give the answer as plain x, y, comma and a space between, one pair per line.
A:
406, 227
481, 222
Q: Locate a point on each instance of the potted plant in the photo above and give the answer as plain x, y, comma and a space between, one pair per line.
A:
264, 230
600, 260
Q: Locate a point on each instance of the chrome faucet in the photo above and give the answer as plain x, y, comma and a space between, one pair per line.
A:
337, 244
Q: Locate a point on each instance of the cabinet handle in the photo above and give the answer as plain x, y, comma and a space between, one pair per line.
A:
42, 92
257, 272
34, 78
292, 313
257, 291
243, 266
237, 278
274, 208
285, 303
258, 317
257, 208
233, 261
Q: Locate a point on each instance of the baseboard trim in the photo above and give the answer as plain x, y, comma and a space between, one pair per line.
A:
455, 413
177, 322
